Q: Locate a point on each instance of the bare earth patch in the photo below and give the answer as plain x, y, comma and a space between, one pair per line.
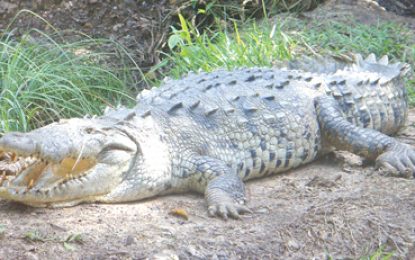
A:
338, 207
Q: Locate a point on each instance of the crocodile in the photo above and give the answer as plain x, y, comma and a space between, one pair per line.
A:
209, 132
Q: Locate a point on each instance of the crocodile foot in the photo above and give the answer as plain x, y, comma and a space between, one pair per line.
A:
221, 204
398, 160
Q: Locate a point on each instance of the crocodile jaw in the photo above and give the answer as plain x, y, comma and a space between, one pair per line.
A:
84, 163
48, 188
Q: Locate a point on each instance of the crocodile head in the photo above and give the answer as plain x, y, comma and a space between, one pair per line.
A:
65, 163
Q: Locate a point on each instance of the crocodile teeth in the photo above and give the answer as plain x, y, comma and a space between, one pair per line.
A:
30, 184
3, 177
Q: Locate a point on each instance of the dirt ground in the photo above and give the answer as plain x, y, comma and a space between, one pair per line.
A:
338, 206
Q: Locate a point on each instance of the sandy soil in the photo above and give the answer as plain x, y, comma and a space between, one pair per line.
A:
338, 207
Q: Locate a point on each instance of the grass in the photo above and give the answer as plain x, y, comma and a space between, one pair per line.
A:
43, 80
379, 254
191, 50
381, 39
262, 44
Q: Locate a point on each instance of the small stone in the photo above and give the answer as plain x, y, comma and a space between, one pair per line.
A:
262, 210
116, 27
130, 240
293, 245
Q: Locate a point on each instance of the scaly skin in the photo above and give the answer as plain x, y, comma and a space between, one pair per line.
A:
208, 132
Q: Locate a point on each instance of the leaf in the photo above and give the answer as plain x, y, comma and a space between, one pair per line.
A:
74, 238
68, 246
34, 236
185, 29
179, 212
174, 40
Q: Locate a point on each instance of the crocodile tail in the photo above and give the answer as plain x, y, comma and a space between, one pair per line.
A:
385, 105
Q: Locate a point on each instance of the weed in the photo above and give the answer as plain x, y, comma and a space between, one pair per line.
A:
67, 242
379, 254
44, 78
72, 239
192, 51
35, 236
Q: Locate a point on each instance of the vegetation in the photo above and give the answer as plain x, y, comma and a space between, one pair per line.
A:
379, 254
262, 44
68, 242
205, 14
44, 78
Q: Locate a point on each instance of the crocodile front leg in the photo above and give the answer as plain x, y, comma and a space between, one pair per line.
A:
395, 157
224, 189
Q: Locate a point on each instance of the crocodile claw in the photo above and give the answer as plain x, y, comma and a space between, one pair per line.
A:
222, 205
226, 210
398, 160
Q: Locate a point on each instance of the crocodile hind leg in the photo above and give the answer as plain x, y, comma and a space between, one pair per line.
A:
395, 157
224, 189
